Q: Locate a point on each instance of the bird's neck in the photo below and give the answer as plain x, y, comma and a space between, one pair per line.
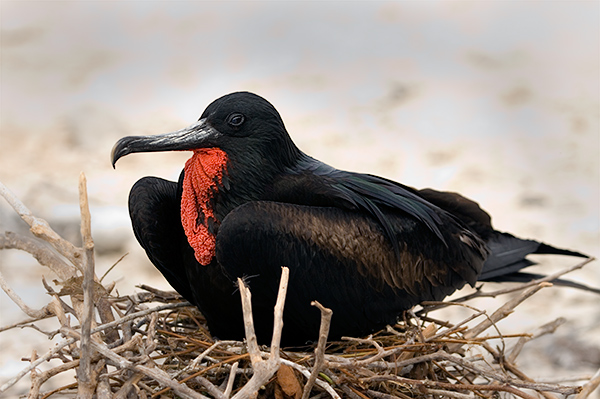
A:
202, 179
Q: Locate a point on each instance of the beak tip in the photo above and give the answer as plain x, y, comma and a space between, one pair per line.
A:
116, 153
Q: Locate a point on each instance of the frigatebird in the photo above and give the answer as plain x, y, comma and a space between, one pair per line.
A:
248, 202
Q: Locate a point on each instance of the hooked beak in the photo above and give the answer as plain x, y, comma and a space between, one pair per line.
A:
197, 135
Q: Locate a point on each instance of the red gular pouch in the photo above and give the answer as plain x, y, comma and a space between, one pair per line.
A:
202, 179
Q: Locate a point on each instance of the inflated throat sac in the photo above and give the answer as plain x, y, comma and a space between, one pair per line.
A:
202, 179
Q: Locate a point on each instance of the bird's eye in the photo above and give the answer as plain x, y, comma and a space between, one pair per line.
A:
235, 120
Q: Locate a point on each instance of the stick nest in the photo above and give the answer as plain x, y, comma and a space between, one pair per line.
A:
153, 344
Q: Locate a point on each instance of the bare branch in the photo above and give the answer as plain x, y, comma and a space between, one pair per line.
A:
532, 283
278, 313
589, 386
263, 369
231, 379
121, 362
251, 340
547, 328
448, 386
320, 350
196, 362
113, 266
36, 363
35, 313
40, 228
304, 371
211, 388
87, 384
40, 251
500, 313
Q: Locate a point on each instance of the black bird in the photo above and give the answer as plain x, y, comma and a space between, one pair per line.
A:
249, 201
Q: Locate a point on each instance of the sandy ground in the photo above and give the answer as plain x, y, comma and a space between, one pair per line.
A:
496, 100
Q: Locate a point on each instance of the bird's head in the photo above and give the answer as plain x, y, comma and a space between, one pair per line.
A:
239, 144
243, 125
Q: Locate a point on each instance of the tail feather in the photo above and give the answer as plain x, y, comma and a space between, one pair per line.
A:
545, 249
507, 253
508, 256
521, 277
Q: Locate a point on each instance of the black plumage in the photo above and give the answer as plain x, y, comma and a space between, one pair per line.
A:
249, 201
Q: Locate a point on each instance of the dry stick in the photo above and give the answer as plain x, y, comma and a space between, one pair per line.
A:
381, 395
509, 366
35, 313
547, 328
499, 314
151, 343
278, 313
564, 379
58, 308
113, 266
40, 251
125, 389
333, 361
194, 363
160, 293
480, 294
442, 355
231, 379
237, 357
448, 394
449, 386
565, 390
263, 370
304, 371
103, 390
589, 386
251, 340
498, 377
320, 350
87, 385
163, 378
138, 314
548, 278
71, 341
104, 308
123, 363
40, 228
23, 323
40, 378
46, 375
369, 341
457, 326
351, 392
33, 365
211, 388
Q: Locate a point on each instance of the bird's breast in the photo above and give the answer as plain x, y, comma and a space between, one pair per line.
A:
202, 179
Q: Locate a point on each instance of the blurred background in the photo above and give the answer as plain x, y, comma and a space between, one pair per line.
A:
497, 100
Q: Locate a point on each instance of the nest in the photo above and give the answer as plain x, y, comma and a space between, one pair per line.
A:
154, 344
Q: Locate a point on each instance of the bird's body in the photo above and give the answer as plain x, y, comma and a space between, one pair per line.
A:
249, 201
